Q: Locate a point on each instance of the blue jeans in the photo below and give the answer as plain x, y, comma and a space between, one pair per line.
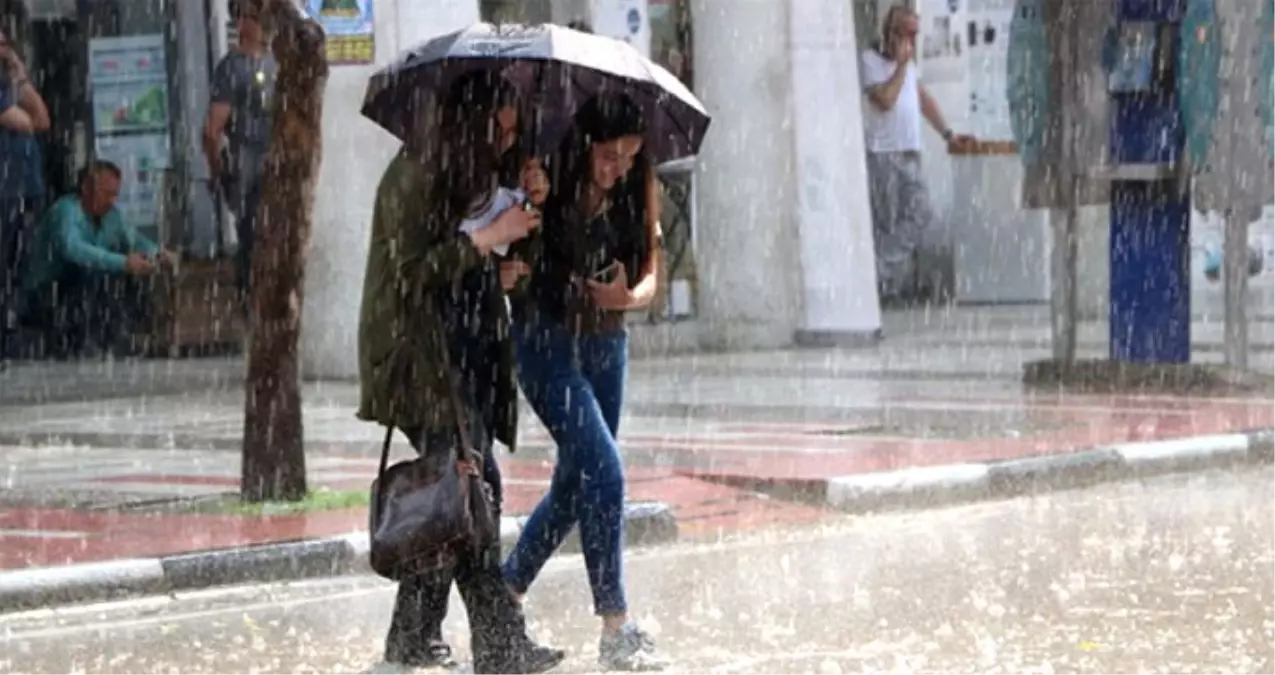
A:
576, 386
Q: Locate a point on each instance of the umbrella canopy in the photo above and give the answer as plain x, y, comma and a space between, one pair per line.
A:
557, 68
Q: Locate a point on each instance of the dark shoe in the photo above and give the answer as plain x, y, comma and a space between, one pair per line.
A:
538, 658
530, 658
435, 655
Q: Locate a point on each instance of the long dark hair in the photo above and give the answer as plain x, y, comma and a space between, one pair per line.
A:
603, 118
464, 154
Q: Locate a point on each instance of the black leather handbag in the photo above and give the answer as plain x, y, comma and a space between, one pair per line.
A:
427, 512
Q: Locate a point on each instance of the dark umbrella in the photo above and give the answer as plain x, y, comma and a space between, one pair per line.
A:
558, 68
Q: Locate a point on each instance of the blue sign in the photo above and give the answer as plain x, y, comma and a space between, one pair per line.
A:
1199, 59
1027, 78
635, 21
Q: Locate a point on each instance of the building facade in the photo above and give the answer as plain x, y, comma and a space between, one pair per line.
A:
769, 238
773, 264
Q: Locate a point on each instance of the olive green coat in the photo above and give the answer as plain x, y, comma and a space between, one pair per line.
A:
402, 343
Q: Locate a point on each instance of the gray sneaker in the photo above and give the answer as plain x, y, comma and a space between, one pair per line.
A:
630, 650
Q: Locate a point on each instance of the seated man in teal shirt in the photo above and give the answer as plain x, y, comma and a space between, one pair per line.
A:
82, 279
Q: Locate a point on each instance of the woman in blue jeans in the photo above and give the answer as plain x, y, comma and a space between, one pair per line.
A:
595, 259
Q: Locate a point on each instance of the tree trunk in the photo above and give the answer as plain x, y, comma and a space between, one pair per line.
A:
273, 448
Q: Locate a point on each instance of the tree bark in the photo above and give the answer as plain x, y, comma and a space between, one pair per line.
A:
273, 449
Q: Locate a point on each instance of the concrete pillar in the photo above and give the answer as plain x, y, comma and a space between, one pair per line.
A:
747, 244
834, 218
355, 153
190, 24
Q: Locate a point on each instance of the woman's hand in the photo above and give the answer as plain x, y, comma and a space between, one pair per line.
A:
535, 182
468, 467
511, 271
614, 294
512, 225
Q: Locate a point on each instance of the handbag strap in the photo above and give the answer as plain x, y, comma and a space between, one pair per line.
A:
461, 427
458, 411
385, 451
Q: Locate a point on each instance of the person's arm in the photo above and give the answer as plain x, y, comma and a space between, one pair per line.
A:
218, 115
16, 119
75, 249
30, 101
648, 281
214, 129
930, 109
883, 91
12, 116
430, 254
134, 241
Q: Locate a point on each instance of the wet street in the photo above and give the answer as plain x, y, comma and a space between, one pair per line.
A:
1172, 575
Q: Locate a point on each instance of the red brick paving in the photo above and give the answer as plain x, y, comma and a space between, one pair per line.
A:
1125, 423
738, 453
34, 537
107, 536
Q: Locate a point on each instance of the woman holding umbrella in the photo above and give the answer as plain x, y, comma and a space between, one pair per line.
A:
561, 69
433, 331
596, 259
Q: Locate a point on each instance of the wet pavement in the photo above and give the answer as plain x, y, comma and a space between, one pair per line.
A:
1170, 575
144, 455
159, 505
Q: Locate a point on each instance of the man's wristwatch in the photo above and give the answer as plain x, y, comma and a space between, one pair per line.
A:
948, 134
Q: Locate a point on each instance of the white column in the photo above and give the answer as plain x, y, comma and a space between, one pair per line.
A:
747, 244
833, 214
355, 153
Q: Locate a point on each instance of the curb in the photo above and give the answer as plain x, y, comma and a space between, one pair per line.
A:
646, 524
941, 485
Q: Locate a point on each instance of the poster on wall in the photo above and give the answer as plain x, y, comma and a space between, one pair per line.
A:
349, 27
625, 20
129, 77
987, 30
129, 81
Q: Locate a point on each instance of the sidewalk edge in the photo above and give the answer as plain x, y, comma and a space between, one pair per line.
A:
940, 485
646, 523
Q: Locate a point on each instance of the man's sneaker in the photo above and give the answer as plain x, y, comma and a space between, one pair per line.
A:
630, 650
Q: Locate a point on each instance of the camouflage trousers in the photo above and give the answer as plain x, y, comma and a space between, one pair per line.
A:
902, 221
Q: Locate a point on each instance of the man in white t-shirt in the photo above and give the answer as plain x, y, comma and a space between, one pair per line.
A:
902, 218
